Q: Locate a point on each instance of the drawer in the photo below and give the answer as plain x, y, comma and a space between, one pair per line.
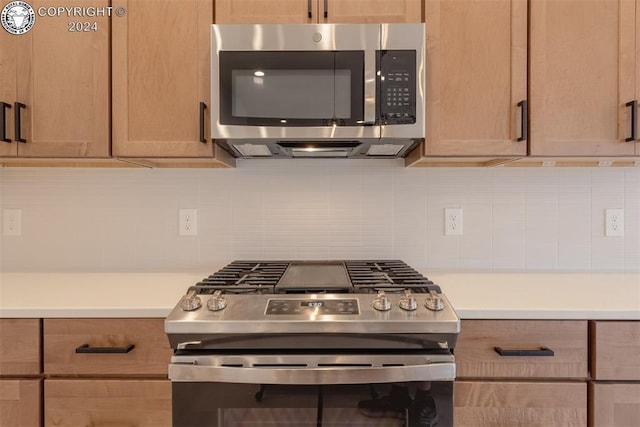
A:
105, 347
84, 402
615, 350
20, 403
20, 347
612, 404
476, 355
522, 404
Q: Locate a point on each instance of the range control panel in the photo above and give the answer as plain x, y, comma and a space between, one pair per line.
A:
397, 86
344, 306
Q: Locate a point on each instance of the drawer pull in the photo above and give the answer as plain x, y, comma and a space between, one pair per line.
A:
542, 351
84, 348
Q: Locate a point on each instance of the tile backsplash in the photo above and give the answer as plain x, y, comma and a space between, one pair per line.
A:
533, 219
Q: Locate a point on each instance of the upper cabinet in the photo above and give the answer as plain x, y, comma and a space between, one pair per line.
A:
316, 11
54, 86
584, 76
476, 79
161, 82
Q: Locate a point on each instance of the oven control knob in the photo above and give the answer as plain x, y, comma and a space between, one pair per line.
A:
382, 303
408, 302
434, 301
191, 301
217, 302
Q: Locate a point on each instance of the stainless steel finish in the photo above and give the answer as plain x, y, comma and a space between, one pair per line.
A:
245, 314
191, 301
369, 87
185, 345
217, 302
322, 37
407, 36
434, 302
290, 37
382, 303
408, 302
313, 369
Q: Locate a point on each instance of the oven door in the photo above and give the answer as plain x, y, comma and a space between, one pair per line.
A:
312, 390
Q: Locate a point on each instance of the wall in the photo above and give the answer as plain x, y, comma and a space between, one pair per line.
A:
514, 218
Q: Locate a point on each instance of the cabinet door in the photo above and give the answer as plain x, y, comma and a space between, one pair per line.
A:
20, 347
612, 404
161, 62
63, 81
370, 11
8, 63
20, 403
266, 11
96, 402
615, 350
476, 77
523, 404
581, 75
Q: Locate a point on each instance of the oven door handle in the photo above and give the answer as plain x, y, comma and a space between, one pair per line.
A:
370, 83
187, 372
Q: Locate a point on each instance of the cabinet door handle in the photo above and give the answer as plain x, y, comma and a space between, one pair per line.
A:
634, 120
84, 348
523, 120
326, 8
542, 351
19, 106
203, 107
309, 9
3, 122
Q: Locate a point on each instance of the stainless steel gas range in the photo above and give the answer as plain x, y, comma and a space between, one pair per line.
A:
313, 343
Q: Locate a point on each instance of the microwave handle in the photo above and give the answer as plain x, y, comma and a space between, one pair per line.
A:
370, 80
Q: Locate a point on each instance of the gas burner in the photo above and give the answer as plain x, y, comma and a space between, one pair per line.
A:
244, 277
387, 276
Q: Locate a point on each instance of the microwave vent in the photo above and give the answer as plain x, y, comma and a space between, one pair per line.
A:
384, 149
253, 150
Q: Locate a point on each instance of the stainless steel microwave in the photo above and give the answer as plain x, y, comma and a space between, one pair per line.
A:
318, 90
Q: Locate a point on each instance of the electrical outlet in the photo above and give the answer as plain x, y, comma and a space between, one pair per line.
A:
453, 221
12, 222
188, 222
614, 222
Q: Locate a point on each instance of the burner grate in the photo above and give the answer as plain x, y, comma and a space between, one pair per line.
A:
388, 276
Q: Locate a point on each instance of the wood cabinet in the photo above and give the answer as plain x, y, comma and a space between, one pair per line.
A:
20, 347
526, 385
107, 402
584, 68
476, 89
106, 372
522, 403
55, 81
20, 402
20, 372
161, 82
316, 11
105, 347
614, 395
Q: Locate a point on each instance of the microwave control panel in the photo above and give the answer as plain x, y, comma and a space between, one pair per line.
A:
396, 86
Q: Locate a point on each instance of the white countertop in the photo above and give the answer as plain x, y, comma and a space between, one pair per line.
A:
474, 295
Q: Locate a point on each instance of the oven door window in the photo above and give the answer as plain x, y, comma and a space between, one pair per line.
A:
301, 88
256, 405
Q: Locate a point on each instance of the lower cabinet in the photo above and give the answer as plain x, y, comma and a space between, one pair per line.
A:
521, 373
614, 393
520, 403
106, 372
614, 404
20, 402
107, 402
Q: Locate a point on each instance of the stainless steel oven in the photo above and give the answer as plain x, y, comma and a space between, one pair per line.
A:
328, 343
343, 89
